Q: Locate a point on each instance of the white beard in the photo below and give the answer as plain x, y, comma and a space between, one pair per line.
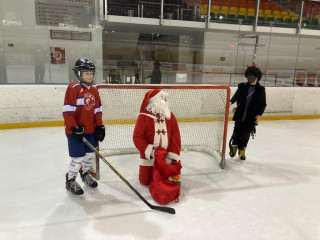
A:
159, 106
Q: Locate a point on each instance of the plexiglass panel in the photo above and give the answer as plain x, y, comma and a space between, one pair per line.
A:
182, 48
28, 52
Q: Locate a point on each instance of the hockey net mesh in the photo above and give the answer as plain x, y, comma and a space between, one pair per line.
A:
201, 111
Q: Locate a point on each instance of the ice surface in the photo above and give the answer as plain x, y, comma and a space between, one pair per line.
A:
273, 195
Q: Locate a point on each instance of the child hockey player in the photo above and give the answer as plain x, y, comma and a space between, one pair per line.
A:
82, 114
251, 103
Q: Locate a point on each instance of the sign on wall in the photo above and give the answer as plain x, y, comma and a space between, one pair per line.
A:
71, 13
57, 55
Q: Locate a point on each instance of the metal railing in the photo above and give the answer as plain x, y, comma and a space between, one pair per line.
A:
142, 4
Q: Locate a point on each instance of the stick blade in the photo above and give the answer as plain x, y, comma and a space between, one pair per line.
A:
163, 209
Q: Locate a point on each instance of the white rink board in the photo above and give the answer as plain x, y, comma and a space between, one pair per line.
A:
37, 103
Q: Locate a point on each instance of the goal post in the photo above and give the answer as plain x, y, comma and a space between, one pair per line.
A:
201, 110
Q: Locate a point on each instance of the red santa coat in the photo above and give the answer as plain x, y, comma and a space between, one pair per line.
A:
151, 132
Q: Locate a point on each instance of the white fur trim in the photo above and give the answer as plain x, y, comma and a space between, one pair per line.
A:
157, 137
160, 138
145, 162
148, 115
173, 156
159, 94
148, 151
164, 139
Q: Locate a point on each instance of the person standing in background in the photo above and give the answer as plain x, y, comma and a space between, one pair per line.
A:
251, 103
3, 67
136, 73
39, 65
156, 74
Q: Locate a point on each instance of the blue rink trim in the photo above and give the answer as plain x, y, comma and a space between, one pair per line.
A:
79, 149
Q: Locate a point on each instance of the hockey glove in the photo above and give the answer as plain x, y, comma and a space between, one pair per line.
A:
78, 133
100, 133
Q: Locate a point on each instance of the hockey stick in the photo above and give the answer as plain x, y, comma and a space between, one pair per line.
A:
158, 208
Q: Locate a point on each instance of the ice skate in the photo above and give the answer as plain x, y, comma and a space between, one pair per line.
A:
242, 154
86, 178
233, 150
72, 186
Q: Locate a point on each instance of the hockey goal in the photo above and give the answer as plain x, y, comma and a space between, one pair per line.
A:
201, 111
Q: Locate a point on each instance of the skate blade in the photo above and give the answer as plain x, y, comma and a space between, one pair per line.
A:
90, 189
74, 195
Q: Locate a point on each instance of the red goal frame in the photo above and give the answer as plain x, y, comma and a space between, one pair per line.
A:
145, 86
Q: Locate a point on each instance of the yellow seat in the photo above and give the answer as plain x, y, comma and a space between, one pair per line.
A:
215, 8
215, 12
292, 14
242, 10
225, 8
203, 11
269, 17
267, 12
284, 13
232, 15
276, 12
242, 13
251, 10
233, 9
278, 18
286, 17
223, 12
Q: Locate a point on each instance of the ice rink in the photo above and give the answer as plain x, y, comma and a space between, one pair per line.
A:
273, 195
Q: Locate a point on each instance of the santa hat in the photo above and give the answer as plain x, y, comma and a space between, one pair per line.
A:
150, 95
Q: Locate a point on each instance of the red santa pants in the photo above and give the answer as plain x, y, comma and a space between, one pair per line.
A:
145, 174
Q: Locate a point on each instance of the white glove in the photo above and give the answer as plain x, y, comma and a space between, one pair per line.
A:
152, 153
168, 160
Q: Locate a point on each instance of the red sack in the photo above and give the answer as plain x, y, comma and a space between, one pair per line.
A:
163, 190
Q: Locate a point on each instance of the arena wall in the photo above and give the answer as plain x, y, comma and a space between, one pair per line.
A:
41, 105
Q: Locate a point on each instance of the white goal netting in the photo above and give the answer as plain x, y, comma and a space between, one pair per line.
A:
201, 111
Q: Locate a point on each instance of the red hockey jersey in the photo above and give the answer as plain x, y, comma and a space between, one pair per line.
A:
82, 107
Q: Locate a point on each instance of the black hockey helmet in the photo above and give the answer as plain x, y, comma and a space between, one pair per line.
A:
83, 65
253, 70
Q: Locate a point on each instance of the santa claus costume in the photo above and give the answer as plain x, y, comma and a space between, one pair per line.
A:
157, 137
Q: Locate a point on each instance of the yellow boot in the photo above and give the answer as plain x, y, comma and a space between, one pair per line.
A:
233, 150
242, 153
